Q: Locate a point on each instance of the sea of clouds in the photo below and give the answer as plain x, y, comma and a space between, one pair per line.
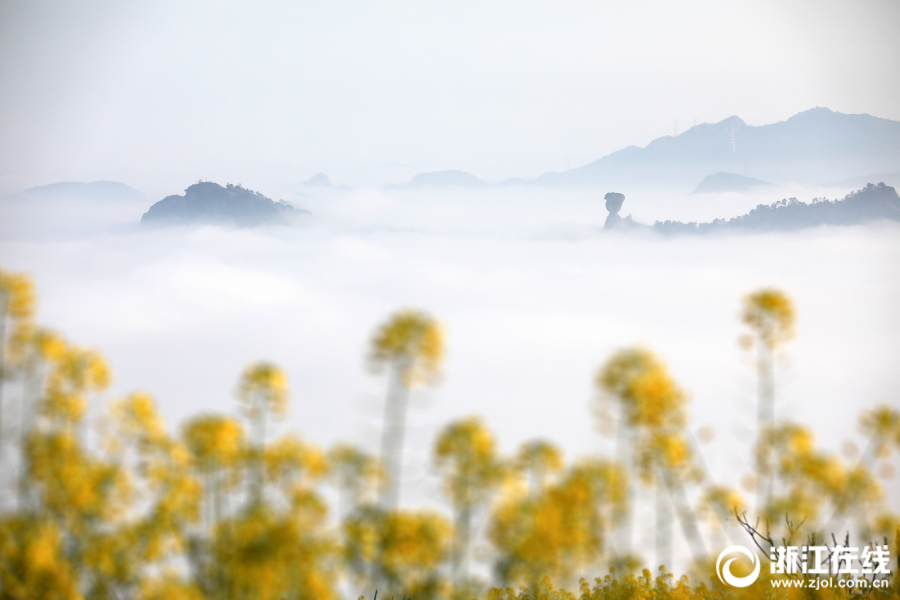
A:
533, 293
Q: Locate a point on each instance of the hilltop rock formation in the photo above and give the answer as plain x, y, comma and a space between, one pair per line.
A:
209, 203
614, 201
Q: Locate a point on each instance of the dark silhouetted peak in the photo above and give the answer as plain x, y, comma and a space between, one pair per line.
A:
208, 202
728, 182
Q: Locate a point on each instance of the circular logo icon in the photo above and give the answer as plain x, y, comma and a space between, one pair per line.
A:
724, 571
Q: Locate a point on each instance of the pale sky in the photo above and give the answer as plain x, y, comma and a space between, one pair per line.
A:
160, 94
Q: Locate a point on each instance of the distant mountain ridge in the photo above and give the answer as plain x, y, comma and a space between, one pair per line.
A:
322, 182
103, 190
811, 147
208, 202
443, 179
892, 179
728, 182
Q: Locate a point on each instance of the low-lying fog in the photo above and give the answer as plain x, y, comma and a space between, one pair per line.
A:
533, 293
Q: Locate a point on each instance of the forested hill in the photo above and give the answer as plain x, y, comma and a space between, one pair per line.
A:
871, 203
811, 147
208, 202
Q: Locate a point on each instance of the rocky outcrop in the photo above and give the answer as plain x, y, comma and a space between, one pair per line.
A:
614, 201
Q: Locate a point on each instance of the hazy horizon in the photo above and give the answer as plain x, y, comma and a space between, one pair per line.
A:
299, 190
159, 94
